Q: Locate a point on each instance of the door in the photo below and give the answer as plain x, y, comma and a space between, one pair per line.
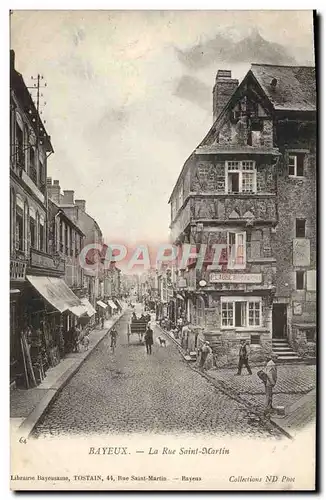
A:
279, 321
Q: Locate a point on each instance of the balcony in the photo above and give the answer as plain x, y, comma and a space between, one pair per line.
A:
17, 270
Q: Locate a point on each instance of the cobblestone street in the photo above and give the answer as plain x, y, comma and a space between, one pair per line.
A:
130, 391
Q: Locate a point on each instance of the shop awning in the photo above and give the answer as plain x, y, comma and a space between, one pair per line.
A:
89, 308
102, 304
180, 296
112, 304
58, 294
117, 301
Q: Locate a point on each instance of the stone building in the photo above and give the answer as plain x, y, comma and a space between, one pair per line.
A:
249, 187
75, 210
39, 297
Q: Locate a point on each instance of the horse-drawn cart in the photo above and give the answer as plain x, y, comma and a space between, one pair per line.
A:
137, 327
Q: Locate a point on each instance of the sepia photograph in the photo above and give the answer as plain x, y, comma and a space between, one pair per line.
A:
163, 249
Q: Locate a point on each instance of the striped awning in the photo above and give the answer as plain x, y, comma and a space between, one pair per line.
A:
102, 304
90, 309
58, 294
112, 304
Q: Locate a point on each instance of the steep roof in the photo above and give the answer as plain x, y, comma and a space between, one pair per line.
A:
295, 89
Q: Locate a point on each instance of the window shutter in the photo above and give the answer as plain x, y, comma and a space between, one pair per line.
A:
300, 165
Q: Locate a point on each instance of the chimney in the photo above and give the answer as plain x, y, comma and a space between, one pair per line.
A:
54, 190
81, 204
68, 197
223, 89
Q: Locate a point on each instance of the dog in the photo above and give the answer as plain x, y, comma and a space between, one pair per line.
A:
162, 341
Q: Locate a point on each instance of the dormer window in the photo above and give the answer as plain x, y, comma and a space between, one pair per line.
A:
240, 177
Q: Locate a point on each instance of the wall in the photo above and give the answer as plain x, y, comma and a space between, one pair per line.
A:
296, 199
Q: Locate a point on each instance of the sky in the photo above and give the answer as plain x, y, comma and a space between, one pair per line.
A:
129, 96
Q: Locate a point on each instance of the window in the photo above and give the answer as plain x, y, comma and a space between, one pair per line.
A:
42, 176
255, 132
311, 334
41, 236
71, 242
240, 312
66, 240
254, 313
255, 339
61, 236
173, 209
300, 228
37, 244
32, 166
227, 314
236, 250
296, 164
41, 232
241, 177
180, 195
20, 146
32, 225
300, 280
19, 228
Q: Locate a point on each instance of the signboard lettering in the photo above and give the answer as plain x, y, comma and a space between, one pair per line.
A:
235, 278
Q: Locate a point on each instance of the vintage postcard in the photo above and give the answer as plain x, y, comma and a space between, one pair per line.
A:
162, 250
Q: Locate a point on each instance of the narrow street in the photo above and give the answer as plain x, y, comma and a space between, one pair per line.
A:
130, 391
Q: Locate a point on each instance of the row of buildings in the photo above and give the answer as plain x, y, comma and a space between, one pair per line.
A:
250, 186
50, 291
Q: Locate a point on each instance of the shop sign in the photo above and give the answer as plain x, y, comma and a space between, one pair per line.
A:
182, 283
46, 261
235, 278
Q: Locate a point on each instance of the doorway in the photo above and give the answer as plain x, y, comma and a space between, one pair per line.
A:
279, 321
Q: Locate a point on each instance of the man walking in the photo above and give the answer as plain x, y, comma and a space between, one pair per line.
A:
271, 379
243, 357
149, 339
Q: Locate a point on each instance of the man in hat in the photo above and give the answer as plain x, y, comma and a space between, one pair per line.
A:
271, 373
243, 357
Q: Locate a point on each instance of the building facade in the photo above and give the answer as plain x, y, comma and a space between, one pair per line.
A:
39, 296
248, 192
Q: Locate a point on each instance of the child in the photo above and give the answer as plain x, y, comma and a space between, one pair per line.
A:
86, 342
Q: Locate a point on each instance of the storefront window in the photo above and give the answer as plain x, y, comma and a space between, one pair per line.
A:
240, 313
254, 313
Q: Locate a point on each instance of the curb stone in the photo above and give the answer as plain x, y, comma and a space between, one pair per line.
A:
29, 423
220, 386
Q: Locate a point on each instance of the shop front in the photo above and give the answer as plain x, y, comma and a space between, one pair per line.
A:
42, 313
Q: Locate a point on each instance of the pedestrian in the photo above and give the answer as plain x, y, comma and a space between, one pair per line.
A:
149, 340
185, 336
86, 341
204, 351
271, 379
243, 357
102, 321
113, 336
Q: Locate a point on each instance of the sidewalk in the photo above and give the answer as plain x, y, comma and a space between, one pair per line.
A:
295, 390
28, 405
